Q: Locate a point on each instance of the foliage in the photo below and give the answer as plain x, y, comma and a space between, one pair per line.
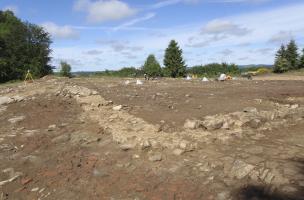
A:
23, 46
124, 72
301, 64
65, 69
263, 70
152, 67
214, 69
281, 65
292, 54
173, 61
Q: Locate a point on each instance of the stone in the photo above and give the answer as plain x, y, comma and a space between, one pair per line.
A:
205, 167
126, 147
192, 124
117, 108
16, 119
250, 110
225, 195
145, 144
178, 152
240, 169
5, 100
18, 98
213, 123
155, 157
52, 127
289, 189
35, 189
253, 123
62, 138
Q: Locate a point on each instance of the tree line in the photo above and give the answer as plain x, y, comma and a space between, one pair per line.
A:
287, 58
23, 46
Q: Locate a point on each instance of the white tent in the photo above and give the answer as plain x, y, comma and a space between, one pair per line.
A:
222, 77
205, 79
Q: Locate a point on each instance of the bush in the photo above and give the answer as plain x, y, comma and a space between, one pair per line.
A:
65, 69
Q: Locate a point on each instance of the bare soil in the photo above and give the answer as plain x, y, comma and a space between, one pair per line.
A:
62, 153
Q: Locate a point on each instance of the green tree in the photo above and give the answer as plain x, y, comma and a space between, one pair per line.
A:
65, 69
301, 65
292, 55
23, 46
281, 65
173, 61
152, 67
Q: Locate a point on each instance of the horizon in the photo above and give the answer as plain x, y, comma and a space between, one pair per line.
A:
111, 34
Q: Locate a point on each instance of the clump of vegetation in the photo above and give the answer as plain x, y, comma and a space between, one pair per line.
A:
124, 72
152, 67
173, 61
214, 69
65, 69
23, 46
287, 58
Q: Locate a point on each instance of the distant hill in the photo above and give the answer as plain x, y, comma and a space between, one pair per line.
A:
255, 66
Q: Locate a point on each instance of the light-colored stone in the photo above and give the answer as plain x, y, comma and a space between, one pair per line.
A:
117, 108
5, 100
240, 169
16, 119
62, 138
192, 124
178, 152
126, 147
213, 123
155, 157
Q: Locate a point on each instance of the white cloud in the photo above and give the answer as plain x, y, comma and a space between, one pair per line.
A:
60, 32
104, 10
12, 8
224, 27
281, 37
135, 21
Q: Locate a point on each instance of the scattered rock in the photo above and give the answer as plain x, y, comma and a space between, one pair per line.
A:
178, 152
62, 138
16, 119
250, 110
117, 108
126, 147
212, 123
52, 127
192, 124
253, 123
240, 169
155, 157
225, 195
35, 189
5, 100
145, 144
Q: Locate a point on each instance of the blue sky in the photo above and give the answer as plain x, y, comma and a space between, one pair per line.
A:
110, 34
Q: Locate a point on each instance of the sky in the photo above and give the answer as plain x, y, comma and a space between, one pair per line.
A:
94, 35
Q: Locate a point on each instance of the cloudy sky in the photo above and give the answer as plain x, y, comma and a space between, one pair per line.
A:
110, 34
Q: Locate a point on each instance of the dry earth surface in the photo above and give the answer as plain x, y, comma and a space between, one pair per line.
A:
107, 138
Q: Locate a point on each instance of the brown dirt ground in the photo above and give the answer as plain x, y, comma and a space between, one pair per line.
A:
100, 170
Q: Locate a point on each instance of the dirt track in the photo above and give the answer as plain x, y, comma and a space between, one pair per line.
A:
64, 142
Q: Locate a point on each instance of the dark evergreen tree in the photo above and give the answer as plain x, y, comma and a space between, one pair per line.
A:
152, 67
173, 61
292, 55
281, 64
301, 65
